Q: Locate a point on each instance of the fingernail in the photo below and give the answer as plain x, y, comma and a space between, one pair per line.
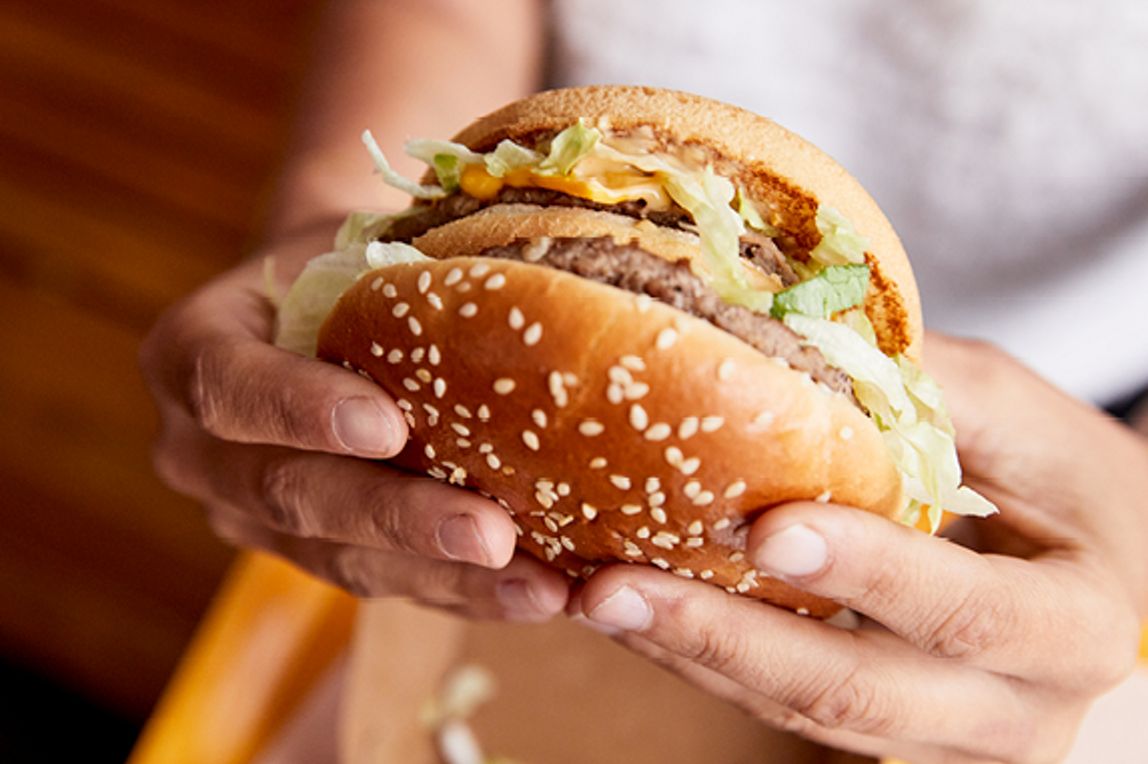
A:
518, 601
362, 427
459, 539
625, 610
796, 551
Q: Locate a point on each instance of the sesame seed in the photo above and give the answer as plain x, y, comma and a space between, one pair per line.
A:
568, 543
532, 334
478, 270
761, 422
666, 338
410, 419
802, 611
424, 282
639, 419
516, 319
631, 509
563, 489
504, 385
493, 461
633, 362
424, 375
589, 511
463, 288
458, 476
656, 499
620, 375
659, 431
400, 310
659, 515
591, 427
712, 423
824, 497
377, 283
462, 411
390, 292
415, 326
631, 549
660, 563
706, 574
735, 489
673, 456
439, 387
664, 540
411, 385
636, 391
742, 587
688, 428
460, 428
434, 300
437, 473
846, 433
736, 556
653, 484
690, 466
731, 590
597, 463
484, 413
704, 499
642, 533
694, 542
433, 355
683, 572
531, 440
544, 499
557, 391
518, 530
722, 524
550, 525
468, 310
376, 349
692, 488
404, 404
615, 394
453, 277
695, 528
431, 410
429, 451
432, 420
725, 369
570, 379
497, 281
643, 302
621, 482
462, 443
395, 356
417, 355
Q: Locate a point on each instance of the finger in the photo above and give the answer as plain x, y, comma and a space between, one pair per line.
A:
833, 678
996, 613
524, 590
211, 356
336, 498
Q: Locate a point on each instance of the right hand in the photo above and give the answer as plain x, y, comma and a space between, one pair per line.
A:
283, 452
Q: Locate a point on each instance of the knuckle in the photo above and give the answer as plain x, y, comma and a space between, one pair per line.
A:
850, 703
347, 568
726, 651
967, 630
283, 494
393, 507
202, 393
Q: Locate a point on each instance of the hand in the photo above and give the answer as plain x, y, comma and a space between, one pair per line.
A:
282, 450
968, 656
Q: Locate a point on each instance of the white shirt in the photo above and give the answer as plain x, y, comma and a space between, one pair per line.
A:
1007, 141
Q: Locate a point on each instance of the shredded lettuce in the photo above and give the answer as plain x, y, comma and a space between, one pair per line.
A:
507, 156
840, 243
313, 295
751, 217
392, 178
365, 226
835, 288
906, 405
570, 146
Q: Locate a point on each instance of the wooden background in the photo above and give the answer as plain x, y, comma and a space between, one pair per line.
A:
137, 140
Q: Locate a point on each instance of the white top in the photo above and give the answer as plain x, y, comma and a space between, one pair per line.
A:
1007, 141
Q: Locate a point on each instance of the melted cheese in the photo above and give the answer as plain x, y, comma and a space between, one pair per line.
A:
610, 187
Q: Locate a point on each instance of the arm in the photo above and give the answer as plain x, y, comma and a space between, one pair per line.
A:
276, 445
968, 655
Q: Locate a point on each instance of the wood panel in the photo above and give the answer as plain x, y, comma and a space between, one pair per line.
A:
137, 142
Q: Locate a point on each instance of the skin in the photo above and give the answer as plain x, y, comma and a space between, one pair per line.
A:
963, 655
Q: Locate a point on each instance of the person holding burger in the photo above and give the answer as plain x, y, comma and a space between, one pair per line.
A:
991, 649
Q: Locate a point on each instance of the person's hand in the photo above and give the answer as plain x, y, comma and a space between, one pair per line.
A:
968, 656
283, 452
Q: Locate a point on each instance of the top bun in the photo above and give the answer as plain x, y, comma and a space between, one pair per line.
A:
786, 177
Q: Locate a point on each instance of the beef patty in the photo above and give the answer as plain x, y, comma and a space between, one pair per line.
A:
626, 266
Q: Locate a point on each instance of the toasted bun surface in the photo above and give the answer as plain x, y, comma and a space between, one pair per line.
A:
786, 176
612, 427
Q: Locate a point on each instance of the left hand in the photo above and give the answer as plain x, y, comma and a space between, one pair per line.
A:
968, 656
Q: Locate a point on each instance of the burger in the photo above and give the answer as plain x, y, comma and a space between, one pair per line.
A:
636, 319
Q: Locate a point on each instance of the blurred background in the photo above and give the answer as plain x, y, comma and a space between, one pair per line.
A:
138, 139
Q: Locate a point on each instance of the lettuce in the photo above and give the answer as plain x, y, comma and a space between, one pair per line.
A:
906, 405
507, 156
840, 243
313, 295
568, 147
392, 178
834, 289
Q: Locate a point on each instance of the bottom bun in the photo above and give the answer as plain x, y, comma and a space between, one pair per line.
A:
611, 427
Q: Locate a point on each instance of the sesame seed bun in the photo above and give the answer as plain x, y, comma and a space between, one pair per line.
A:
786, 177
699, 433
